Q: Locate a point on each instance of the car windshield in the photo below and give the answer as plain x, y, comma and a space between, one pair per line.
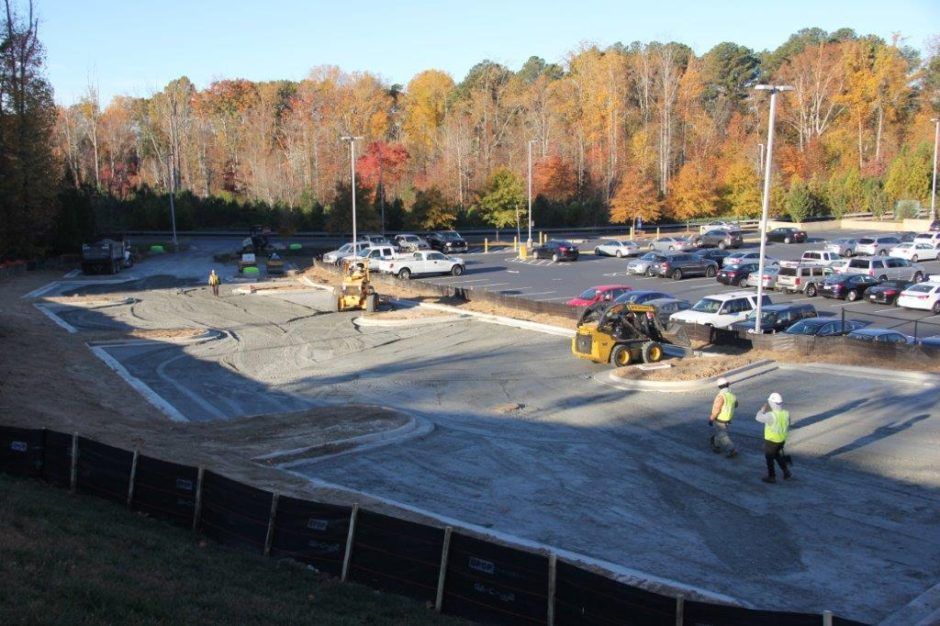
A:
707, 305
649, 256
735, 267
449, 236
588, 294
767, 316
803, 328
866, 240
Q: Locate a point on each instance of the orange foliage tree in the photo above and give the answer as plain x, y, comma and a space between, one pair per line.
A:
636, 198
692, 192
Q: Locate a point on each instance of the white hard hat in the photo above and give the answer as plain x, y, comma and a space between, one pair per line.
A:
723, 382
775, 398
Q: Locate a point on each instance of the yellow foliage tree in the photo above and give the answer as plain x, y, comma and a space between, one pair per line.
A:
741, 193
426, 106
636, 198
692, 192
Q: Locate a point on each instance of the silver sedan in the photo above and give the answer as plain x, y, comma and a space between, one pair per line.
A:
843, 246
672, 244
644, 264
614, 247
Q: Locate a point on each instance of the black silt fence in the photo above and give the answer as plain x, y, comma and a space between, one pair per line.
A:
311, 533
396, 556
702, 614
57, 459
103, 470
234, 514
583, 597
21, 451
489, 583
165, 490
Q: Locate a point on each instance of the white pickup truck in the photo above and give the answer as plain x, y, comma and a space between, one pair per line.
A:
422, 262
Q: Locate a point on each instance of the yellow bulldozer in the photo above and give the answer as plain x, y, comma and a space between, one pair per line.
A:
623, 334
356, 291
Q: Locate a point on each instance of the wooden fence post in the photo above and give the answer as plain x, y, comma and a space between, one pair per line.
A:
269, 537
552, 577
197, 509
349, 541
73, 471
133, 478
445, 553
680, 610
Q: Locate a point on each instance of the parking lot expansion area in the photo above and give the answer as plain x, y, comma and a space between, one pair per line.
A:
529, 442
500, 272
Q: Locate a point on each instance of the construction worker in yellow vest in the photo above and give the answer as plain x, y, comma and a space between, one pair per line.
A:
214, 282
720, 420
776, 421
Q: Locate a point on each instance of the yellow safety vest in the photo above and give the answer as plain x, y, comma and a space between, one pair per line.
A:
776, 431
727, 408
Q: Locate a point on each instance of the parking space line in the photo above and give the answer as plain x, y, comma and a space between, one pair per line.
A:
488, 285
535, 293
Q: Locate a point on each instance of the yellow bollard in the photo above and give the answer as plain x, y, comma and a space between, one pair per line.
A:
631, 232
522, 252
542, 238
486, 245
657, 232
515, 243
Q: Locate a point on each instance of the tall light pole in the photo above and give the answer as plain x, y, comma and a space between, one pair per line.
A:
933, 189
529, 215
768, 159
352, 164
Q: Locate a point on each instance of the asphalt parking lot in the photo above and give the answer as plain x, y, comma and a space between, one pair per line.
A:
501, 272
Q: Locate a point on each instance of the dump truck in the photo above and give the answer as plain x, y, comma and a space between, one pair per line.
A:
106, 256
623, 334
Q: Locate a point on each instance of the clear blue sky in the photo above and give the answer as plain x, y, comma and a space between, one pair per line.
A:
135, 47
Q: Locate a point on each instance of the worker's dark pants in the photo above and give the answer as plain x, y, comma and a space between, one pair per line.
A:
774, 452
215, 290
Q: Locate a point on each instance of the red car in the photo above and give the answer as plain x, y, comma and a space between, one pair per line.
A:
596, 294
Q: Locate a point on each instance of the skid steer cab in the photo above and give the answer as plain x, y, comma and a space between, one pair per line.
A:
356, 292
621, 335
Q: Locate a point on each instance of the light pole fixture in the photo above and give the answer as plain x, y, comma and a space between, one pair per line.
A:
352, 163
529, 214
933, 188
768, 160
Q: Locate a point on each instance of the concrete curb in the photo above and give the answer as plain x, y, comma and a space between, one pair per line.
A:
367, 322
310, 283
736, 375
547, 329
208, 335
414, 427
928, 379
924, 610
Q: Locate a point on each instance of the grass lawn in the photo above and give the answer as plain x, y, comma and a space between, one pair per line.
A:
69, 559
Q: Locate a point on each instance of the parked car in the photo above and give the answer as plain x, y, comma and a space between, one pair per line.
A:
887, 292
374, 254
932, 238
408, 242
849, 287
825, 327
617, 248
880, 335
885, 268
786, 234
556, 250
876, 245
719, 225
447, 241
921, 296
719, 238
640, 297
797, 277
666, 307
678, 266
843, 246
721, 310
906, 237
736, 274
934, 226
933, 341
596, 294
715, 254
736, 258
374, 239
820, 257
776, 318
644, 264
672, 244
346, 250
915, 251
421, 263
770, 276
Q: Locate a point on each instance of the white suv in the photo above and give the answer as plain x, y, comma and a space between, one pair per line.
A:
885, 268
720, 310
876, 245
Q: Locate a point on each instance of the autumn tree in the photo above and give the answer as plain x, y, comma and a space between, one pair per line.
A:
554, 179
909, 176
382, 164
636, 199
431, 211
692, 192
740, 190
504, 200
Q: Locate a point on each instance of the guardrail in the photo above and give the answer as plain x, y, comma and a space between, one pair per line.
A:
453, 571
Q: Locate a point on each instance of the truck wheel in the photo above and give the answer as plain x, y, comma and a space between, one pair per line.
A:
652, 352
456, 270
404, 273
811, 290
620, 356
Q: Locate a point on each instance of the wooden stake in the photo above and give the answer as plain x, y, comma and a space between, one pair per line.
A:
552, 577
197, 510
269, 538
680, 610
349, 541
133, 478
445, 552
73, 472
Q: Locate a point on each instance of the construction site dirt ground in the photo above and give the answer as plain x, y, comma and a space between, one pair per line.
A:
525, 440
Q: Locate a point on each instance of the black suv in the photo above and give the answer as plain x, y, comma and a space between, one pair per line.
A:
556, 250
447, 241
719, 238
776, 318
678, 266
